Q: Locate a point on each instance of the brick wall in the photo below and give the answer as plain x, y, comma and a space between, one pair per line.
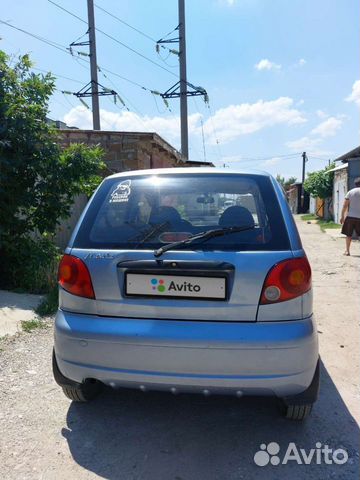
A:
126, 151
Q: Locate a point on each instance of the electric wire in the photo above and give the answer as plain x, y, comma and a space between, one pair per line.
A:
62, 48
170, 51
114, 39
77, 59
125, 23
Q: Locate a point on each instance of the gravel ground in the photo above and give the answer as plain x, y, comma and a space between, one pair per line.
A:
131, 435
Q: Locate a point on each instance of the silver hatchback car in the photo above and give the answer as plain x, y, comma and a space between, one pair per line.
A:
188, 280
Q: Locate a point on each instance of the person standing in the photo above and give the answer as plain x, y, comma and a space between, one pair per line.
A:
351, 220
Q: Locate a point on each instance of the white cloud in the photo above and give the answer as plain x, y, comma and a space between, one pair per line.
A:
312, 142
168, 127
266, 64
271, 161
321, 114
328, 128
236, 120
225, 125
301, 62
304, 143
355, 94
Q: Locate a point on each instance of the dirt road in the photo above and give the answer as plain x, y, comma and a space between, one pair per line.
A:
131, 435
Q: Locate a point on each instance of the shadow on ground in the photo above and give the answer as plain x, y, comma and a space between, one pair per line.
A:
132, 435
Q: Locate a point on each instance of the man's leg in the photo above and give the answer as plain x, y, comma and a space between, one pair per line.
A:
348, 243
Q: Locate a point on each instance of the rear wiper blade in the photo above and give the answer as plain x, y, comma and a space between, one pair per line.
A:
203, 236
151, 232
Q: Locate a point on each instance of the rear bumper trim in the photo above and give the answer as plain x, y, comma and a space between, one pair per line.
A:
256, 358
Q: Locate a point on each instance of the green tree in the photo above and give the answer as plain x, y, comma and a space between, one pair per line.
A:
320, 184
38, 180
285, 183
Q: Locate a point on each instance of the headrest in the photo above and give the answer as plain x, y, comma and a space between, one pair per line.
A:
236, 216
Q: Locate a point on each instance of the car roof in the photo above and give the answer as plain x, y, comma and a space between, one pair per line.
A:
189, 170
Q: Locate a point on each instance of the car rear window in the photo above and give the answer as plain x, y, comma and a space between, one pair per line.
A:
145, 212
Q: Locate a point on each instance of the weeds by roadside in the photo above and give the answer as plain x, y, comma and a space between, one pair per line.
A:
323, 224
29, 325
50, 303
308, 216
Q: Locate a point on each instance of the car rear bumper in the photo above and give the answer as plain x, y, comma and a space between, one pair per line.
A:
255, 358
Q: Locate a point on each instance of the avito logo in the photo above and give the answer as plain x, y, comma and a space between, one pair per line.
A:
159, 285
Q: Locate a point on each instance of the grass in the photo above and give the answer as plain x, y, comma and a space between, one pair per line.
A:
50, 303
323, 224
309, 216
30, 325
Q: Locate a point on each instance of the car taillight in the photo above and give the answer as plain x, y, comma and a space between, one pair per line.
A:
74, 277
286, 280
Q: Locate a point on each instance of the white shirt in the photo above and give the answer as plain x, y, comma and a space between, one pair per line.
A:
354, 198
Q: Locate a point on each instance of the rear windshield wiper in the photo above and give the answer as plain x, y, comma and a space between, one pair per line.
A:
151, 232
203, 236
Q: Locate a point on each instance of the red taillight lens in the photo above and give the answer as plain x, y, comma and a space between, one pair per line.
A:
286, 280
74, 277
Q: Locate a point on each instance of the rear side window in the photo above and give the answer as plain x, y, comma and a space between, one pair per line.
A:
149, 211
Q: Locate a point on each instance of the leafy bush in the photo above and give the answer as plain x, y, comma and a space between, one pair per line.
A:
38, 180
50, 303
30, 265
320, 184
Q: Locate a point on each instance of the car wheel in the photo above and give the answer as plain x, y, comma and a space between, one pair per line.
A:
84, 392
298, 412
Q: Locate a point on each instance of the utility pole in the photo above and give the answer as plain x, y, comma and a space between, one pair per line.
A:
91, 89
304, 160
183, 83
182, 89
93, 66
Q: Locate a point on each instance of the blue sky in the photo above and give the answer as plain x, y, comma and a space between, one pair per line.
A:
282, 76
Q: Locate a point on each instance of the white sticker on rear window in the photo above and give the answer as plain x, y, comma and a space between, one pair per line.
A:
121, 192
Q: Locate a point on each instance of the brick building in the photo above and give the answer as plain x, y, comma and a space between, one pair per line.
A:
126, 151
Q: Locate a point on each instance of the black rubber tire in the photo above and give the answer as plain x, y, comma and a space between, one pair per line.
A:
84, 392
298, 412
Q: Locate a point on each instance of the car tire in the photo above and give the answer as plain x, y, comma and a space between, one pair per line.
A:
84, 392
77, 392
298, 412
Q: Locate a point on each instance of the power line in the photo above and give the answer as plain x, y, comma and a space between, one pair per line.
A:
125, 23
78, 60
67, 11
115, 40
289, 155
145, 35
62, 48
214, 130
197, 109
57, 75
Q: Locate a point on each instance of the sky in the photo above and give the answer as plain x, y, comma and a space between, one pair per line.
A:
282, 76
